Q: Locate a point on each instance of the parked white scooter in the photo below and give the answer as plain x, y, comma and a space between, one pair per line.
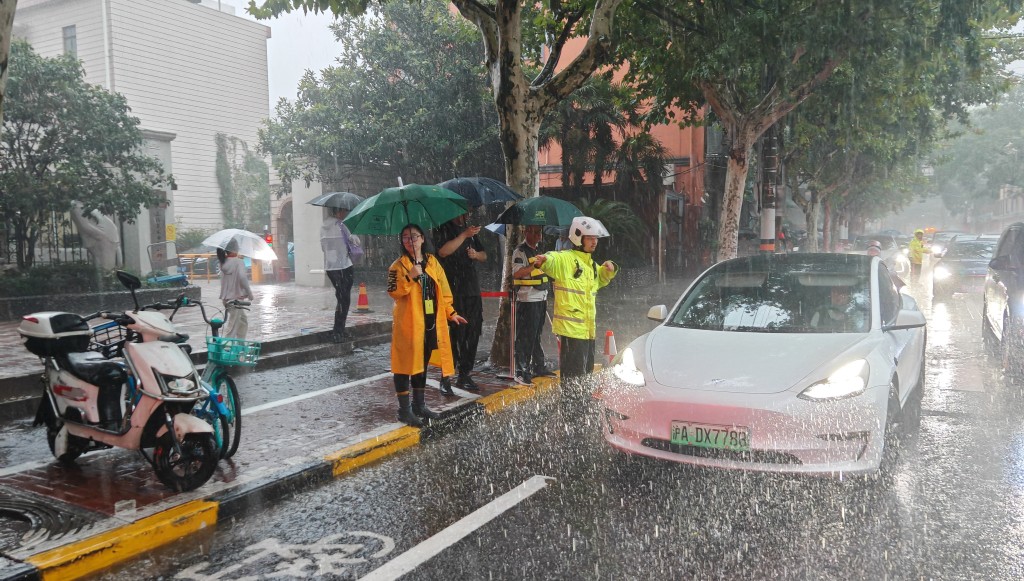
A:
137, 394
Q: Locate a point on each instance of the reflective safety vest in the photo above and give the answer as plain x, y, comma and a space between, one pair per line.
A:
577, 279
537, 278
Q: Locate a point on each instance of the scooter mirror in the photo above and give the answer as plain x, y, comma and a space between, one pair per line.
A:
129, 280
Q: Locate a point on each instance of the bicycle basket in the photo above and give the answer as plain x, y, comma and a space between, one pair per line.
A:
231, 351
106, 335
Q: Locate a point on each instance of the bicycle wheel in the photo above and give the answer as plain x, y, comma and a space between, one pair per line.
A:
233, 423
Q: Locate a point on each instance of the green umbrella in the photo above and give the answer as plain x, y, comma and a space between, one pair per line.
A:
539, 211
391, 210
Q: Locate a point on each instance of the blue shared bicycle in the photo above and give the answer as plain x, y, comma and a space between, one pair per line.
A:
222, 409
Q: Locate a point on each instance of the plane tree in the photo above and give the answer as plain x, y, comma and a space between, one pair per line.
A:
65, 140
753, 63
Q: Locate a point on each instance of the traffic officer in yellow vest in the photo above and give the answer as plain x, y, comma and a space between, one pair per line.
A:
576, 281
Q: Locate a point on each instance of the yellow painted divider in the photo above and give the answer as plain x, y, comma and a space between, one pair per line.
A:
118, 545
369, 451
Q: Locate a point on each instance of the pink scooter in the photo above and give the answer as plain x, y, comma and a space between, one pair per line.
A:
137, 394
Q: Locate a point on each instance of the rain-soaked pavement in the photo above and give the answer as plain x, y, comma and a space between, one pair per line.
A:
575, 510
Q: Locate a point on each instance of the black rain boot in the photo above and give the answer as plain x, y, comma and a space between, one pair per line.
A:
405, 411
445, 385
419, 407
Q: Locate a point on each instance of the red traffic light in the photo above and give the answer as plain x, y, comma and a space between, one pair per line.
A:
269, 239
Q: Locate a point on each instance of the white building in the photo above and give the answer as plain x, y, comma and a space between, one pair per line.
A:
189, 69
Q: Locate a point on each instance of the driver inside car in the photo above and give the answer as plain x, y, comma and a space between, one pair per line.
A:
839, 314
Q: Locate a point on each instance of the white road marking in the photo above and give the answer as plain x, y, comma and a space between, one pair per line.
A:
288, 400
23, 467
458, 530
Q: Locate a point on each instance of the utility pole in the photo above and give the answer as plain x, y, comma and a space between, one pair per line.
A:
769, 180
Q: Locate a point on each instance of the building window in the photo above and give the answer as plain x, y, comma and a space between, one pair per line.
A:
70, 40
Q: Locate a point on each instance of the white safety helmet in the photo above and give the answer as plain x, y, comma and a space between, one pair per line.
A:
583, 226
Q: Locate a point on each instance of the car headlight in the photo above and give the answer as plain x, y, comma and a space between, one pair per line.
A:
906, 252
625, 370
941, 273
847, 381
937, 249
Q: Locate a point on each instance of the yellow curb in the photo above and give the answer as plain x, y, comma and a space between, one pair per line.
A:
364, 453
112, 547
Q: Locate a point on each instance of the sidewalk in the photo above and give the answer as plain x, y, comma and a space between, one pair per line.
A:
280, 312
111, 508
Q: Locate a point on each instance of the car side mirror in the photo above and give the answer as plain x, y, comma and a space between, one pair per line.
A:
1001, 263
658, 313
906, 319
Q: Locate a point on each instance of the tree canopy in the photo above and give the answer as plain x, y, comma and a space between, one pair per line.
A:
65, 140
408, 93
753, 63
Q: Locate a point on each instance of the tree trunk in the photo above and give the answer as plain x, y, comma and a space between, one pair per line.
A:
7, 8
811, 211
732, 203
827, 227
522, 104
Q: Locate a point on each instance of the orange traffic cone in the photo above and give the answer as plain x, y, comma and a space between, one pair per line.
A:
609, 345
363, 304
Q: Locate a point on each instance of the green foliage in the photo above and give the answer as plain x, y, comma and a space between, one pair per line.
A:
244, 180
66, 140
408, 93
980, 158
628, 233
57, 279
189, 239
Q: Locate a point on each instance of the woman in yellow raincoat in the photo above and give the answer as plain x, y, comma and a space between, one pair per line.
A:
417, 283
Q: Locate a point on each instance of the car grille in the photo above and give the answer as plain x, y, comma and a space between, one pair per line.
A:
756, 456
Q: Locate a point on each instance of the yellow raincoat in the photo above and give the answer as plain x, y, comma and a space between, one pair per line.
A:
408, 325
577, 278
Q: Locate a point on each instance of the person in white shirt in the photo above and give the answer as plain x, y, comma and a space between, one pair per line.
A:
234, 285
531, 307
335, 239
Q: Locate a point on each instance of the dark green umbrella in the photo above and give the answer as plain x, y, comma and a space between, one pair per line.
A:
539, 211
337, 200
391, 210
481, 191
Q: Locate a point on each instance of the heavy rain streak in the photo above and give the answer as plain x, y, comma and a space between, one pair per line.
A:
493, 289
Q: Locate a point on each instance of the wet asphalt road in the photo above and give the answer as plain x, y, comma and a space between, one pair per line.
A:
954, 510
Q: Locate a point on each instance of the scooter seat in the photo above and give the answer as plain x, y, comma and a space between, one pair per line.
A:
96, 369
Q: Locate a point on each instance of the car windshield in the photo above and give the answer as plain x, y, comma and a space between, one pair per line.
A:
811, 298
971, 249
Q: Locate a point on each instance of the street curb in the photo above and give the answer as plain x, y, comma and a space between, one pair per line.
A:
120, 544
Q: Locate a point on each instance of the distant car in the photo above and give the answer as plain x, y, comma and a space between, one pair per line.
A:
892, 254
940, 242
1002, 311
744, 373
963, 267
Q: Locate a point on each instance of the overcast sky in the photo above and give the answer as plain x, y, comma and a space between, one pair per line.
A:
299, 42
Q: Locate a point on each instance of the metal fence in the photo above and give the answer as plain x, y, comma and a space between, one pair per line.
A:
59, 242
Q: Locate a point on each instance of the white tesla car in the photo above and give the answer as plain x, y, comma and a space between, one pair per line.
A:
807, 363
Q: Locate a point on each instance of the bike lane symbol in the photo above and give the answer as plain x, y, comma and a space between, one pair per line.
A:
272, 558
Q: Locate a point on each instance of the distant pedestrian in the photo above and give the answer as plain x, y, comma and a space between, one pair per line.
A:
563, 242
418, 335
875, 249
459, 250
916, 251
531, 307
335, 241
234, 285
577, 279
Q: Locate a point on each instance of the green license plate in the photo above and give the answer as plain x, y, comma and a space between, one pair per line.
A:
735, 438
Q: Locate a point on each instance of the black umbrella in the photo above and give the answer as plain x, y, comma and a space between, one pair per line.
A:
481, 191
337, 200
